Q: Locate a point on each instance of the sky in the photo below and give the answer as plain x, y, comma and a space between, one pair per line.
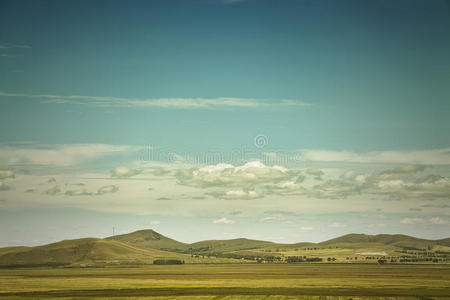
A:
280, 120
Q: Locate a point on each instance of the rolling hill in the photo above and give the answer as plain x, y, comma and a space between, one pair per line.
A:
398, 240
229, 245
142, 247
82, 251
150, 239
154, 240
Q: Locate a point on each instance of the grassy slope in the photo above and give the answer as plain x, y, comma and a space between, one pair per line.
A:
82, 251
12, 249
149, 239
230, 245
398, 240
352, 242
145, 245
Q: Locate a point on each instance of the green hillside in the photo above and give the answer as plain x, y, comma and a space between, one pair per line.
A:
5, 250
150, 239
229, 245
144, 246
397, 240
81, 251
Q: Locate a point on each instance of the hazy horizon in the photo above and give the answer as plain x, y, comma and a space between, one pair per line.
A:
284, 121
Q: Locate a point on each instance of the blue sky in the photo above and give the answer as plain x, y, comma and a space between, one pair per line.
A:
330, 86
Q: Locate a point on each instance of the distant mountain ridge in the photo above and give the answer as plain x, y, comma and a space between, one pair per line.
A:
400, 240
151, 239
143, 246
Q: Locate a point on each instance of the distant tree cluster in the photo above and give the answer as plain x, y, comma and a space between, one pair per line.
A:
168, 262
300, 259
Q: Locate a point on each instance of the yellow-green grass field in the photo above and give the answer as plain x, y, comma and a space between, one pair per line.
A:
230, 281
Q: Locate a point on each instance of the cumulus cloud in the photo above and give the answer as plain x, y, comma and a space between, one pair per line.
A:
223, 221
399, 182
124, 172
228, 175
256, 180
108, 189
237, 194
249, 181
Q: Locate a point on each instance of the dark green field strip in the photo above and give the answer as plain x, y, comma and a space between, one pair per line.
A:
239, 271
216, 276
214, 291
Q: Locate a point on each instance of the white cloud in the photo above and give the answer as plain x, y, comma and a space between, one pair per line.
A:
179, 103
431, 221
427, 157
58, 155
223, 221
337, 225
226, 175
124, 172
155, 222
108, 189
240, 194
400, 182
257, 180
249, 181
271, 220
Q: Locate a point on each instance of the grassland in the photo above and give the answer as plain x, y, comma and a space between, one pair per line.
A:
230, 281
349, 267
